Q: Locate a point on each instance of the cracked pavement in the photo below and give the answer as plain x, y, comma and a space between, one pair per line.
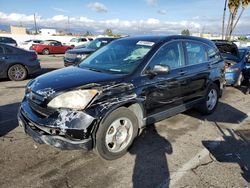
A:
186, 150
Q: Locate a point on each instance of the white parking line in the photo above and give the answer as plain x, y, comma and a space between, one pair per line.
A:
8, 120
175, 177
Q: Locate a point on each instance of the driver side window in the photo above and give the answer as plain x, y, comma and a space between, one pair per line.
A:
169, 55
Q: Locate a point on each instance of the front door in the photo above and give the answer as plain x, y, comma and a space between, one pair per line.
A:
163, 91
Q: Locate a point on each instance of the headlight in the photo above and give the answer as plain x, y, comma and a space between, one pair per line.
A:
232, 69
76, 100
81, 56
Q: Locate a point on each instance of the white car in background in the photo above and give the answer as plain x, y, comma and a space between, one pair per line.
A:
79, 41
27, 45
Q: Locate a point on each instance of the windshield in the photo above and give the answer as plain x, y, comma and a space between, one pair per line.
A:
118, 57
97, 43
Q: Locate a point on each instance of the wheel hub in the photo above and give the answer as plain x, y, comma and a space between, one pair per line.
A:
119, 135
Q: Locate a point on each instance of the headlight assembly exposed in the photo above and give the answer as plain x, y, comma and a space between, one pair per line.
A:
76, 100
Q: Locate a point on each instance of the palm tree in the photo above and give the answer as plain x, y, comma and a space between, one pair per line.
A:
233, 20
244, 5
233, 6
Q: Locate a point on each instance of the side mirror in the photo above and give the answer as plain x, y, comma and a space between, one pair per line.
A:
159, 69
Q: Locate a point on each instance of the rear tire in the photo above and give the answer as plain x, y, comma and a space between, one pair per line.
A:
17, 72
210, 103
116, 133
45, 51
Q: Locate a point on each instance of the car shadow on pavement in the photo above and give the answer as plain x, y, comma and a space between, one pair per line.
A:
151, 166
224, 113
8, 118
233, 149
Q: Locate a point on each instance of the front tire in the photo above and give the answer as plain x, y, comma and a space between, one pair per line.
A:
17, 72
210, 103
116, 133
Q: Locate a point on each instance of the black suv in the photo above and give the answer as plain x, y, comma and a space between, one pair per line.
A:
125, 85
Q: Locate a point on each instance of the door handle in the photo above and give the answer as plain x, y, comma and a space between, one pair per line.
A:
209, 66
3, 58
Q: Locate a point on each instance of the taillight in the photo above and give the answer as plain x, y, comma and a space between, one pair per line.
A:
33, 56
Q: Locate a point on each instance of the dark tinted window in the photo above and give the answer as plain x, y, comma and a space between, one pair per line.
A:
9, 40
90, 39
213, 54
170, 55
196, 53
83, 40
37, 41
55, 43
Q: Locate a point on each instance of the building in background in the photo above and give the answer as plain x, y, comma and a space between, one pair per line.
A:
48, 32
18, 30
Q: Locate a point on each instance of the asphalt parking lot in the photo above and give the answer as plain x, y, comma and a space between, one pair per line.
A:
187, 150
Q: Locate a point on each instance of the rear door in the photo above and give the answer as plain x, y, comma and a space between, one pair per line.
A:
4, 60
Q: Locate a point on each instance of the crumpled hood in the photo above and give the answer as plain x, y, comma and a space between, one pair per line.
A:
69, 78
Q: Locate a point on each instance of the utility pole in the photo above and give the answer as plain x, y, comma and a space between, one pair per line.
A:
35, 23
223, 19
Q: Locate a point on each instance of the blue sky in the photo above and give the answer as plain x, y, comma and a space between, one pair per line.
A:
121, 15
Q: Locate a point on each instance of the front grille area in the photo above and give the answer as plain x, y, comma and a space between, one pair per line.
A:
36, 103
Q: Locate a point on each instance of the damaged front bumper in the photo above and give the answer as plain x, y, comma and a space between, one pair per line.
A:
65, 129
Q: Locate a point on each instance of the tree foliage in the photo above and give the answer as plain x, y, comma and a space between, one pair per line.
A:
185, 32
110, 33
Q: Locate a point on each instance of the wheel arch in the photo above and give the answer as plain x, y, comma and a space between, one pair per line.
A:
135, 106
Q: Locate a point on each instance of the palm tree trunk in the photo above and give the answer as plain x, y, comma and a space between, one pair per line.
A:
223, 20
232, 24
242, 10
228, 24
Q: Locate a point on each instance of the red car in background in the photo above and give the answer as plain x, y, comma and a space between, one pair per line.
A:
50, 47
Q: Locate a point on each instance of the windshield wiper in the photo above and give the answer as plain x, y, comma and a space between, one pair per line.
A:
93, 69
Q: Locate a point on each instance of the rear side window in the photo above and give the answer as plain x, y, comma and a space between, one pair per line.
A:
83, 40
9, 40
213, 54
196, 53
169, 55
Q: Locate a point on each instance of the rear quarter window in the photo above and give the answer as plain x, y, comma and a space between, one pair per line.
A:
213, 54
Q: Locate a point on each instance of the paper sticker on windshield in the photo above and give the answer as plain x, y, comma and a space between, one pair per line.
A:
145, 43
